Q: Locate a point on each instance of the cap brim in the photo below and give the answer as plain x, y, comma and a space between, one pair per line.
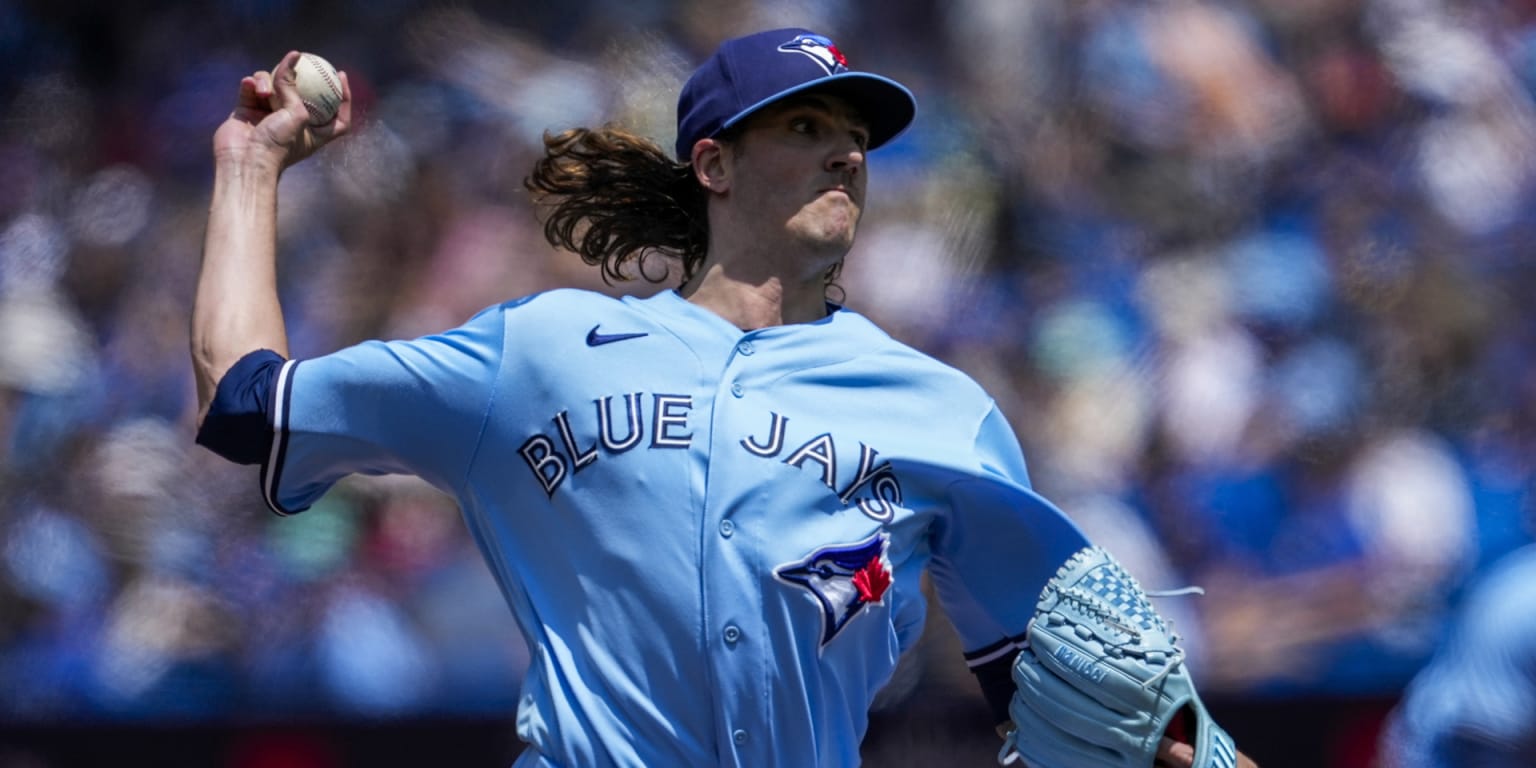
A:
886, 105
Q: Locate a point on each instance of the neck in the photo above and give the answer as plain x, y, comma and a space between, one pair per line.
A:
758, 276
758, 302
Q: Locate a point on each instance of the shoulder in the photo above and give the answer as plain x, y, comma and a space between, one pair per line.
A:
566, 316
560, 302
897, 356
554, 308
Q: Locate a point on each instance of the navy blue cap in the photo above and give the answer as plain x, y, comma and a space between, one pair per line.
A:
748, 73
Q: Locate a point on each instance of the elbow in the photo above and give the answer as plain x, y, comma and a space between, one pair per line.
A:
235, 421
208, 369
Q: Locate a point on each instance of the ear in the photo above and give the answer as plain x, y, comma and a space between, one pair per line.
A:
712, 165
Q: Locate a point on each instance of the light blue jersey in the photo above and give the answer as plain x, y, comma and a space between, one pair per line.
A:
712, 539
1475, 703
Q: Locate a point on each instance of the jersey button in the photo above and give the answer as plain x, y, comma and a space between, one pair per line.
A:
737, 389
740, 737
727, 528
732, 634
745, 348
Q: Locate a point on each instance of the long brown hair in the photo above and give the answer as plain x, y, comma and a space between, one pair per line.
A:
615, 198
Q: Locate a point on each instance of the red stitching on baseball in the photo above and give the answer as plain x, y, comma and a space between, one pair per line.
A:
326, 75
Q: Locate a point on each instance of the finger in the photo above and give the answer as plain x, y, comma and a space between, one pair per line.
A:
343, 119
255, 90
249, 91
1175, 754
285, 86
263, 80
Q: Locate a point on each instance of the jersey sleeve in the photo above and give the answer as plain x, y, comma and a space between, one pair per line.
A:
383, 407
1475, 701
1496, 692
998, 545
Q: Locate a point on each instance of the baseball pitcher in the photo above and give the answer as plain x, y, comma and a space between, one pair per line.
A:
710, 509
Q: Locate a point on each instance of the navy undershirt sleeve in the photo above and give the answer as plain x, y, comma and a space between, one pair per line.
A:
996, 678
237, 426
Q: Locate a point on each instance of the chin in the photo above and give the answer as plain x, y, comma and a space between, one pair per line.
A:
830, 241
828, 233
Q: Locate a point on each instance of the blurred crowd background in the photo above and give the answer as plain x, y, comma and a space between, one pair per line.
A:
1251, 279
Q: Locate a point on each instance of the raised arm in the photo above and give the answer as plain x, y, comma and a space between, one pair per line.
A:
236, 310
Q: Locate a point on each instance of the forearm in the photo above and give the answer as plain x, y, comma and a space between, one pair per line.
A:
236, 310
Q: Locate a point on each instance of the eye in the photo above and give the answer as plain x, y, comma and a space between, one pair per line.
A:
803, 125
861, 138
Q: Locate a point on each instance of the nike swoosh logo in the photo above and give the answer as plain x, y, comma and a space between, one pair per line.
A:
595, 339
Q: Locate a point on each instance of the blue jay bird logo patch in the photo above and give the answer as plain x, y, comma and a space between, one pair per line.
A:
822, 50
843, 578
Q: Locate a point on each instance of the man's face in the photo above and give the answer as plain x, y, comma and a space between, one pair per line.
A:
799, 167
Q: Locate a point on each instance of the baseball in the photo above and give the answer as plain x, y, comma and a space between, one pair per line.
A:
319, 87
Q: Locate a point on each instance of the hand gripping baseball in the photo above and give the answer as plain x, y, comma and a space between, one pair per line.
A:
1102, 677
270, 122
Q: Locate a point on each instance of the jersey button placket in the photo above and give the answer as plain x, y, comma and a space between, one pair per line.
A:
737, 657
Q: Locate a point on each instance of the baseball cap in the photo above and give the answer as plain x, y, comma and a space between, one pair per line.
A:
746, 74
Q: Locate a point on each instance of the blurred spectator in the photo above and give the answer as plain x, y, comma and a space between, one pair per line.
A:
1475, 704
1252, 277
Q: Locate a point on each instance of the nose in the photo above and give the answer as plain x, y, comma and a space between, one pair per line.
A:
847, 158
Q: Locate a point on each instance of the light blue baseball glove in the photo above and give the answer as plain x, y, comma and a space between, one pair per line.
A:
1102, 677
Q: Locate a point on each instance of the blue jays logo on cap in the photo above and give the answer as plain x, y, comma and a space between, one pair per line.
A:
821, 50
746, 74
844, 578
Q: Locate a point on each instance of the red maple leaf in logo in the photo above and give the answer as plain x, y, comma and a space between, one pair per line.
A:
872, 580
837, 56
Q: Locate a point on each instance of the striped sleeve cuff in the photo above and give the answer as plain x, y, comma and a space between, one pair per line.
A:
281, 406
